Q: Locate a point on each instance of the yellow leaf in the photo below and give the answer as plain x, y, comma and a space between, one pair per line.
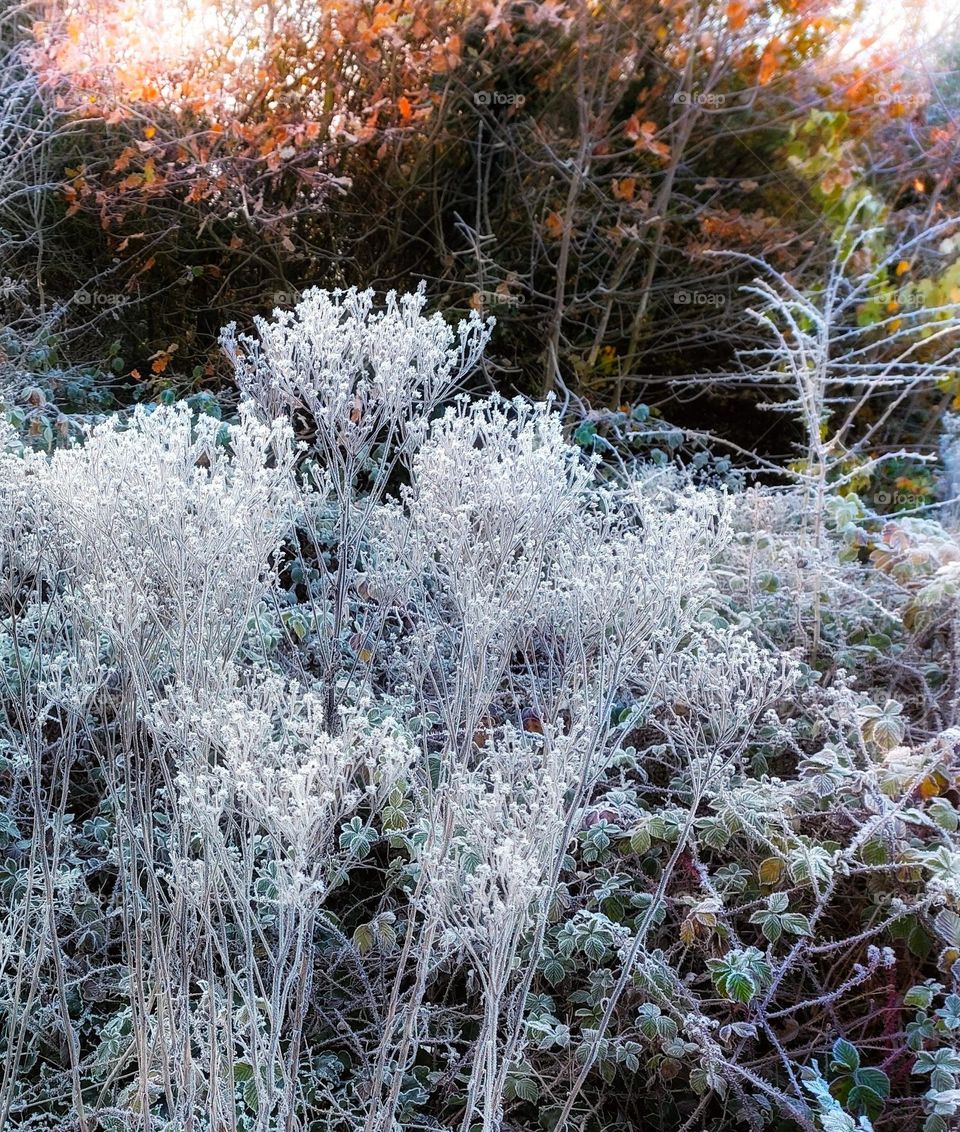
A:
930, 787
771, 870
903, 266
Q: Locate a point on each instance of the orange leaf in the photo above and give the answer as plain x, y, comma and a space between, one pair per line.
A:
124, 159
903, 266
406, 110
736, 14
554, 225
769, 61
625, 189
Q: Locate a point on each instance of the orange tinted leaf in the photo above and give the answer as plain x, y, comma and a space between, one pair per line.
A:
929, 788
736, 14
124, 159
554, 225
770, 61
625, 189
403, 105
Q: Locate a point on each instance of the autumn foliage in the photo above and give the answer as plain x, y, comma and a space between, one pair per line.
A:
570, 168
563, 166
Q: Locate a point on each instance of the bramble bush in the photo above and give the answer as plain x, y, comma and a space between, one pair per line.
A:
376, 758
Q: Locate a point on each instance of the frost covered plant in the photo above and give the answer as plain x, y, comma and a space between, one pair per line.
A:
490, 859
266, 747
271, 813
167, 525
508, 544
365, 379
722, 687
494, 796
498, 502
362, 374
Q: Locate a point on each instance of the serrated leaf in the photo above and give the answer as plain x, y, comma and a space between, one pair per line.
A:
771, 870
919, 996
771, 928
947, 927
795, 923
874, 852
845, 1055
873, 1079
944, 814
740, 987
553, 971
363, 938
525, 1089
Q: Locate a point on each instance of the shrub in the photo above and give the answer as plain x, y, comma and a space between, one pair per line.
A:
430, 772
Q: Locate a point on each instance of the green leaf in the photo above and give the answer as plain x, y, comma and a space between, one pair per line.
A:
919, 996
845, 1055
363, 938
740, 987
357, 838
554, 971
771, 928
796, 924
524, 1089
873, 1079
